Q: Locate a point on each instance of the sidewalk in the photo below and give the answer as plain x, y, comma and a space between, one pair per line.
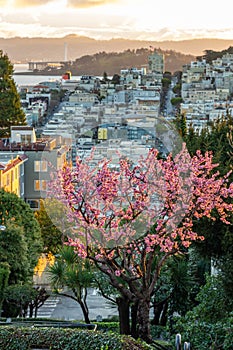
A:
68, 309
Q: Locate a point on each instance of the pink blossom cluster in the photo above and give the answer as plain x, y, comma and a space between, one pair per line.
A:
154, 202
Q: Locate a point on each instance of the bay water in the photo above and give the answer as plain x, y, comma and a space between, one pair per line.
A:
21, 80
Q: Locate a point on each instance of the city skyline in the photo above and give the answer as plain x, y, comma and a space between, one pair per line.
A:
107, 19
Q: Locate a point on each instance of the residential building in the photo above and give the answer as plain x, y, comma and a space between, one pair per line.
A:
43, 157
12, 172
156, 62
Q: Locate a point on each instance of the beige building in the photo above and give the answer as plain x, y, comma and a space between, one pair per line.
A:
156, 62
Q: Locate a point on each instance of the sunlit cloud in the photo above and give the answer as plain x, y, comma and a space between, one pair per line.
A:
69, 3
25, 3
106, 19
88, 3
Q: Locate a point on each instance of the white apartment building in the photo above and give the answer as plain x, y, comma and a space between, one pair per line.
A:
156, 62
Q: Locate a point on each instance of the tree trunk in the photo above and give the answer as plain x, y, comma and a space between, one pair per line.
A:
85, 312
143, 320
134, 311
31, 309
123, 309
163, 319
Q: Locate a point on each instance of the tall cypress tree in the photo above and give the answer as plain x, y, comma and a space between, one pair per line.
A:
11, 112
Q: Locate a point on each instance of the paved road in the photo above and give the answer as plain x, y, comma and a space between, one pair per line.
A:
63, 308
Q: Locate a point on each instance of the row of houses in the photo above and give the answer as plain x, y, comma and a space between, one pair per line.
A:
207, 90
91, 104
122, 115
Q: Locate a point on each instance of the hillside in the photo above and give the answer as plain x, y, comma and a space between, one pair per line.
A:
44, 49
113, 62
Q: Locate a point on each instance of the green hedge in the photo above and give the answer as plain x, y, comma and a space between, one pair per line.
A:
25, 338
203, 335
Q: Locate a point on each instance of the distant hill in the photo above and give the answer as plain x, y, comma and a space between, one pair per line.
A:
44, 49
113, 62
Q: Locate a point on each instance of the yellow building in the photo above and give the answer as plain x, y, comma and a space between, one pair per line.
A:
12, 174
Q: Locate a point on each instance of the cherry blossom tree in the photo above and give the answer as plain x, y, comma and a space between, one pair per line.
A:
129, 219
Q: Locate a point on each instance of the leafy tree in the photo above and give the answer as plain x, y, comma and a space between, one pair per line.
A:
39, 298
71, 271
176, 101
52, 237
176, 288
4, 275
177, 89
209, 324
116, 79
13, 210
17, 298
166, 82
181, 125
14, 251
131, 220
11, 112
217, 138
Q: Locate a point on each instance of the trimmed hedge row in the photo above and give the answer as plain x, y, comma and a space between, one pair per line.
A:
27, 338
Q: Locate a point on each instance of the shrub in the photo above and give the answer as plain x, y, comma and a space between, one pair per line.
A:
203, 335
25, 338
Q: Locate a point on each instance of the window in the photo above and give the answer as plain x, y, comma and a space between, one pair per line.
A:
21, 169
40, 185
7, 179
34, 204
26, 138
40, 165
22, 189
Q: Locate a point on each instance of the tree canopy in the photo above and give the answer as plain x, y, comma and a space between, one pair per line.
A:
132, 219
19, 220
11, 112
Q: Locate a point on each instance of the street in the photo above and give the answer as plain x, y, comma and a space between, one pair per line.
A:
64, 308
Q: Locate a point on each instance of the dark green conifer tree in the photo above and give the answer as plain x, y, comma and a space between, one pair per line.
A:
11, 112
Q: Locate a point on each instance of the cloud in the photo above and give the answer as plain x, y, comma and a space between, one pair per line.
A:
24, 3
88, 3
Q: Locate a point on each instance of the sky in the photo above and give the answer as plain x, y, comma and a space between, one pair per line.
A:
106, 19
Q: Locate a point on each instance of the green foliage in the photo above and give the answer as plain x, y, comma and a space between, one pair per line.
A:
11, 112
18, 338
13, 250
108, 326
71, 271
181, 125
17, 299
212, 302
177, 88
51, 235
204, 335
217, 137
74, 273
166, 82
175, 101
181, 285
15, 211
209, 324
211, 55
177, 286
4, 275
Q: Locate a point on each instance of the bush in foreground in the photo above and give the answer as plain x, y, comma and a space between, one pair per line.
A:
25, 338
